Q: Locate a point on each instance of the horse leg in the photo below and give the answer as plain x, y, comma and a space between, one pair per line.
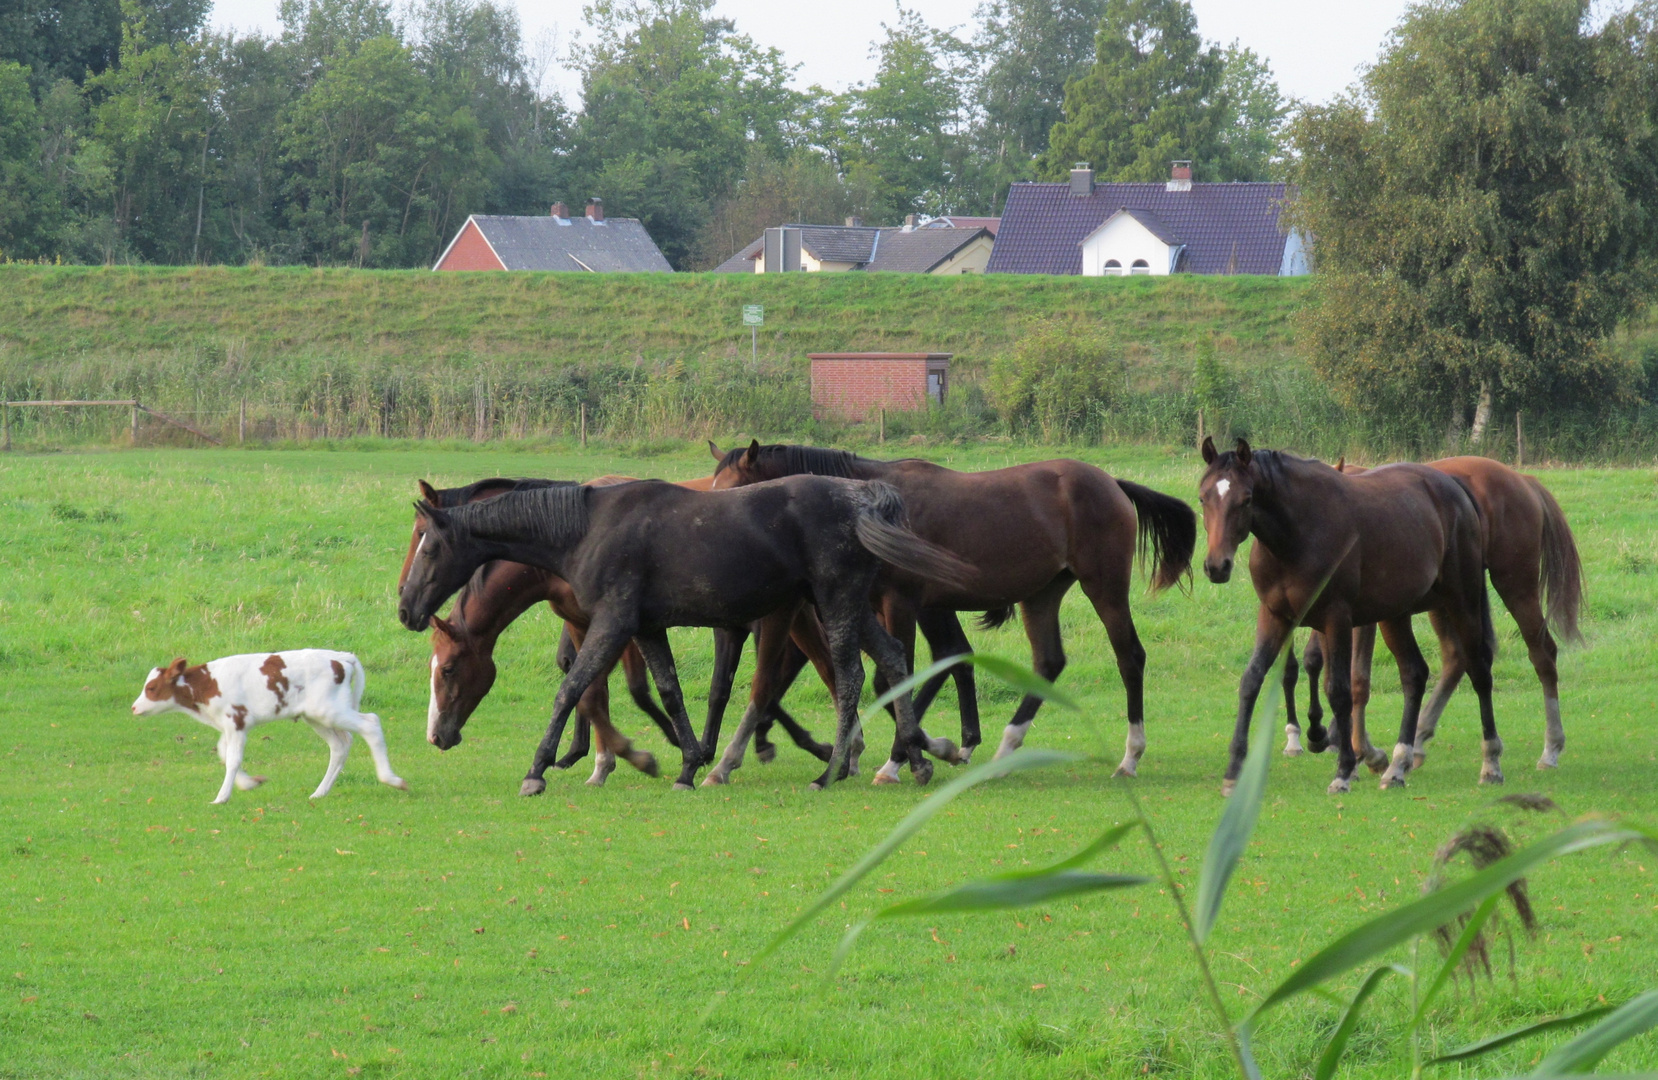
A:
888, 655
1524, 604
580, 741
1040, 614
1292, 728
613, 744
1451, 669
728, 653
1338, 654
1270, 634
1413, 680
945, 637
661, 660
569, 647
808, 636
1110, 599
794, 662
599, 652
1312, 661
639, 689
841, 629
1476, 644
1364, 651
771, 647
900, 621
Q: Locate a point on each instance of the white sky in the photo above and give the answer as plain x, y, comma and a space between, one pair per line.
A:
1316, 48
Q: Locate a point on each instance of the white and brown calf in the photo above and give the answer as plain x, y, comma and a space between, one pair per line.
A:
232, 694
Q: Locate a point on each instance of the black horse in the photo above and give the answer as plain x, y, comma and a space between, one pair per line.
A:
645, 556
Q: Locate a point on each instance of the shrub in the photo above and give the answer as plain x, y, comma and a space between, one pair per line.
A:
1056, 381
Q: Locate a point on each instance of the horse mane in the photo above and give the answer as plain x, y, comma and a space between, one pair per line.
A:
549, 512
479, 489
1274, 464
780, 459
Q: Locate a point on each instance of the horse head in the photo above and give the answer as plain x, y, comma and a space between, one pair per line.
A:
463, 670
1227, 491
441, 563
740, 466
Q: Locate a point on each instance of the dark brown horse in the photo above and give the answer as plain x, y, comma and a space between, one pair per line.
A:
1032, 531
1334, 552
1532, 558
646, 556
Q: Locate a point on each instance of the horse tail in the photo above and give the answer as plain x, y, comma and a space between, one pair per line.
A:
995, 618
882, 530
1168, 533
1562, 569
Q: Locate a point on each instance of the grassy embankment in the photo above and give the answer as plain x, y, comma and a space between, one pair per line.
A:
457, 928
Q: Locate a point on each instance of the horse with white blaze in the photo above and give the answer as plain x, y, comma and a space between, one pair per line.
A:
233, 694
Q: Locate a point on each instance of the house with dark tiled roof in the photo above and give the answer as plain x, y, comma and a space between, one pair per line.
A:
591, 244
914, 249
1176, 227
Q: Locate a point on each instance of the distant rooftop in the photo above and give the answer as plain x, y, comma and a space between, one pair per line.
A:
577, 243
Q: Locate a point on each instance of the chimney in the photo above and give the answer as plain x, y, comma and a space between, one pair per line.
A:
1180, 177
1082, 180
595, 210
560, 210
854, 222
909, 222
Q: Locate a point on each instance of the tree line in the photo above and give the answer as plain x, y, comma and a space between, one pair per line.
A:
360, 135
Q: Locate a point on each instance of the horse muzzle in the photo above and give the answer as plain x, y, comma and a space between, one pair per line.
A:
1218, 571
444, 740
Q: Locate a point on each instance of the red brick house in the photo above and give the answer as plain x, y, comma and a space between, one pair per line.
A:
587, 244
854, 386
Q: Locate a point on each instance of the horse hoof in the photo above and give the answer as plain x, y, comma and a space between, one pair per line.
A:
963, 756
1318, 743
815, 785
596, 781
1125, 769
923, 773
1491, 776
1227, 787
1417, 761
1549, 761
715, 779
767, 754
532, 786
646, 763
1293, 751
882, 779
1376, 761
397, 782
1338, 786
1392, 782
680, 785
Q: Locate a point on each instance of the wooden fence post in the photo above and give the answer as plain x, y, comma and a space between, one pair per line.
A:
1200, 431
1519, 439
882, 437
6, 424
242, 422
584, 425
135, 423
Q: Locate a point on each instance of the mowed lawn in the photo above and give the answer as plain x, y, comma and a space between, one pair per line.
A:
457, 929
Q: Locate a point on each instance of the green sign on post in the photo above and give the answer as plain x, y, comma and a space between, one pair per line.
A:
754, 317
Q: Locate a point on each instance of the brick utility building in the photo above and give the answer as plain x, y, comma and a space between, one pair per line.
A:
587, 244
854, 386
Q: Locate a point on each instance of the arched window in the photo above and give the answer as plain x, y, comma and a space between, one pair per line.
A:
1113, 267
1140, 266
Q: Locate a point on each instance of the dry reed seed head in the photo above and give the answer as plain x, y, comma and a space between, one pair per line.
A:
1484, 845
1531, 801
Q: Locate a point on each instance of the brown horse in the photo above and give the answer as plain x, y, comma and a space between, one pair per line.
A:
1532, 558
1032, 531
1334, 552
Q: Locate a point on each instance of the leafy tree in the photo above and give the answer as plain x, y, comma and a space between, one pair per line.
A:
1154, 94
1028, 51
1484, 208
381, 169
27, 211
1056, 379
1253, 130
71, 39
905, 127
803, 187
672, 97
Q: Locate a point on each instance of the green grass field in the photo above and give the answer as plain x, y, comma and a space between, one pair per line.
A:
457, 929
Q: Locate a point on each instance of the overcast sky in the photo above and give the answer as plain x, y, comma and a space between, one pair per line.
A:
1315, 47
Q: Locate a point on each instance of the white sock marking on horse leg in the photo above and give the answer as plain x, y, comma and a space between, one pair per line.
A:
887, 773
1292, 741
1134, 745
1554, 736
1013, 737
604, 763
1398, 767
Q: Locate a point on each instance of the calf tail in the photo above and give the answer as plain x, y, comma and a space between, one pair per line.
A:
1168, 533
358, 682
881, 530
1562, 569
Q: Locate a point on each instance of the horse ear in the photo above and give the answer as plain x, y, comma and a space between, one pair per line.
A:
715, 451
428, 492
753, 453
444, 627
1209, 454
1244, 453
1341, 463
435, 518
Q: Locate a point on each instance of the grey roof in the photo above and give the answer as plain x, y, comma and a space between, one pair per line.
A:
1227, 228
616, 245
867, 248
1152, 223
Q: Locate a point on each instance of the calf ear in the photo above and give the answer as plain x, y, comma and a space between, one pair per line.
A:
1209, 452
714, 450
753, 453
428, 492
176, 668
1244, 453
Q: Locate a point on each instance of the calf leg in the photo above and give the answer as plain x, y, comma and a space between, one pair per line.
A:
244, 782
368, 726
339, 744
232, 744
1413, 679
